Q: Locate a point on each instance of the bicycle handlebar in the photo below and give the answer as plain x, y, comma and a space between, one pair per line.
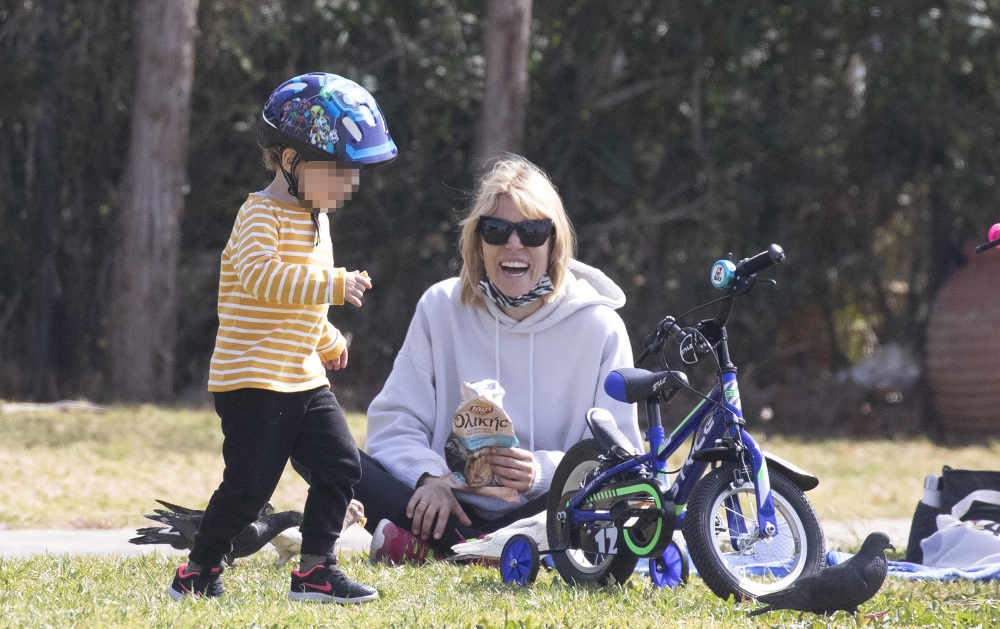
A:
763, 260
994, 239
737, 279
987, 245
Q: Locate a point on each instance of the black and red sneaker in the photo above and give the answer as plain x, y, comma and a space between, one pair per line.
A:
327, 584
191, 583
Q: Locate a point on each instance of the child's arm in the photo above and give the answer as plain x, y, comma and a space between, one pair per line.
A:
332, 343
264, 275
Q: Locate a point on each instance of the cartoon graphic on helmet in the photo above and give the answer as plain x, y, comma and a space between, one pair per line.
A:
327, 117
322, 134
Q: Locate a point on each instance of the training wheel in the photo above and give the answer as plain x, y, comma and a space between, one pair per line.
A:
671, 568
519, 560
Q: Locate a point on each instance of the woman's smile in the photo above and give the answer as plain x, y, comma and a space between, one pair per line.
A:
513, 268
516, 269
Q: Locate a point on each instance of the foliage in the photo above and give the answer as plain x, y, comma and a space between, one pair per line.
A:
857, 136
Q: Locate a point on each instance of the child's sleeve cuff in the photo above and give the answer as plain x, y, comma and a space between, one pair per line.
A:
333, 350
338, 286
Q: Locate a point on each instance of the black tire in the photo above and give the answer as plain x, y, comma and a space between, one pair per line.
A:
581, 562
765, 565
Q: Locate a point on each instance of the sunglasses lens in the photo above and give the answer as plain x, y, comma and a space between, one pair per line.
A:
534, 233
495, 231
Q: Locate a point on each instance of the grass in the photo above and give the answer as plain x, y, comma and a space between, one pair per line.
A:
103, 470
88, 470
69, 592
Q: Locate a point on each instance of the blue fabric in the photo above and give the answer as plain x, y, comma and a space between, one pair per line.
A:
907, 570
899, 569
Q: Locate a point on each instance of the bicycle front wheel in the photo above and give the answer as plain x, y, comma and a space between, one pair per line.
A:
724, 542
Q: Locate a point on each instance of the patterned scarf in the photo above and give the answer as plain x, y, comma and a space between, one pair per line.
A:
544, 287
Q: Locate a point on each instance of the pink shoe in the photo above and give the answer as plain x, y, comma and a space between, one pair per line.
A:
395, 545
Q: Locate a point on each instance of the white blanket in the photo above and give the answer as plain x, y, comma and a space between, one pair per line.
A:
969, 544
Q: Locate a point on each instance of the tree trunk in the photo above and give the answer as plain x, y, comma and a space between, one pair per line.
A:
46, 186
505, 95
144, 310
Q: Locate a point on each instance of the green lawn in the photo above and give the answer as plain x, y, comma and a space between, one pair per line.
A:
78, 592
104, 470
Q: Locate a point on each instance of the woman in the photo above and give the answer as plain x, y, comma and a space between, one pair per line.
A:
523, 313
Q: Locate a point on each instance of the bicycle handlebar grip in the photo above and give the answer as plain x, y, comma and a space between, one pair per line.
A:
670, 327
756, 264
993, 237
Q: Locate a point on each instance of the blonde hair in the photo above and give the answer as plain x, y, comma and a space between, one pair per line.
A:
272, 156
535, 196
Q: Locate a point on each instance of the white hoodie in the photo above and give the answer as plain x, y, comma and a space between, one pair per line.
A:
552, 366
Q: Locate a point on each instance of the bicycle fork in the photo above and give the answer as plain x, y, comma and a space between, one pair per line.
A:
720, 436
767, 524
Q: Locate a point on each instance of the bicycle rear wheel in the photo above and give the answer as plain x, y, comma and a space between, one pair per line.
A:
721, 532
593, 554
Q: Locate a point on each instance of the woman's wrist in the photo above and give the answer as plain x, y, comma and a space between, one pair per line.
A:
425, 478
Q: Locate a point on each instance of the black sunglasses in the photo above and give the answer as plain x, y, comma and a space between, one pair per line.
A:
497, 231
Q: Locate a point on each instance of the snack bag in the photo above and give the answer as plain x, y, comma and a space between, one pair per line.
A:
479, 423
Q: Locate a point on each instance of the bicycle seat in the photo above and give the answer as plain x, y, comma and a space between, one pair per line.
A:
631, 385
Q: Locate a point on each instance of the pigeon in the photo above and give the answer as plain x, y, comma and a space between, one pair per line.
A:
841, 587
491, 546
288, 543
182, 525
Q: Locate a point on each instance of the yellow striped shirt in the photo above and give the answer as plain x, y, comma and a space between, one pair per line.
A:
275, 287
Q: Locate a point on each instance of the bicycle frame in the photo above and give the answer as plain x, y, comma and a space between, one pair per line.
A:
614, 507
716, 416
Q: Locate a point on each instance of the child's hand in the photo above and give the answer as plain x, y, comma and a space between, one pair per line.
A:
337, 363
356, 284
355, 513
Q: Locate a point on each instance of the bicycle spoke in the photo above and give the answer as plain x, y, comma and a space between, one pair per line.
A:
753, 558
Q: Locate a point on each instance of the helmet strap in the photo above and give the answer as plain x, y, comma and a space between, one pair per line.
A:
315, 219
293, 183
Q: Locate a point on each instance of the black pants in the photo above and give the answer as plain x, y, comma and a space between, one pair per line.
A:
262, 430
385, 497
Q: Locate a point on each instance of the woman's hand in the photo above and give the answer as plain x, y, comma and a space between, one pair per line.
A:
430, 507
514, 468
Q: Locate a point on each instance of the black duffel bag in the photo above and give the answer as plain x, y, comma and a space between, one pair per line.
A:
941, 493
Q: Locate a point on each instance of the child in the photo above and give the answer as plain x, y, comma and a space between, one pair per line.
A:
267, 373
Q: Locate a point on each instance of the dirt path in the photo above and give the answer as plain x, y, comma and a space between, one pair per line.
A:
22, 543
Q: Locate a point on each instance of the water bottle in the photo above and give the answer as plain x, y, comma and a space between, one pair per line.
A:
924, 522
932, 490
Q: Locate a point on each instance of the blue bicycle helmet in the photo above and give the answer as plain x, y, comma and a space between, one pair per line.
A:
327, 117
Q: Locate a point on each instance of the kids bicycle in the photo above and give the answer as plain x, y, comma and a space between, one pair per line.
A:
748, 526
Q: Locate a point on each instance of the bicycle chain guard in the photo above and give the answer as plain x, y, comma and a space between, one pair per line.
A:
641, 512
